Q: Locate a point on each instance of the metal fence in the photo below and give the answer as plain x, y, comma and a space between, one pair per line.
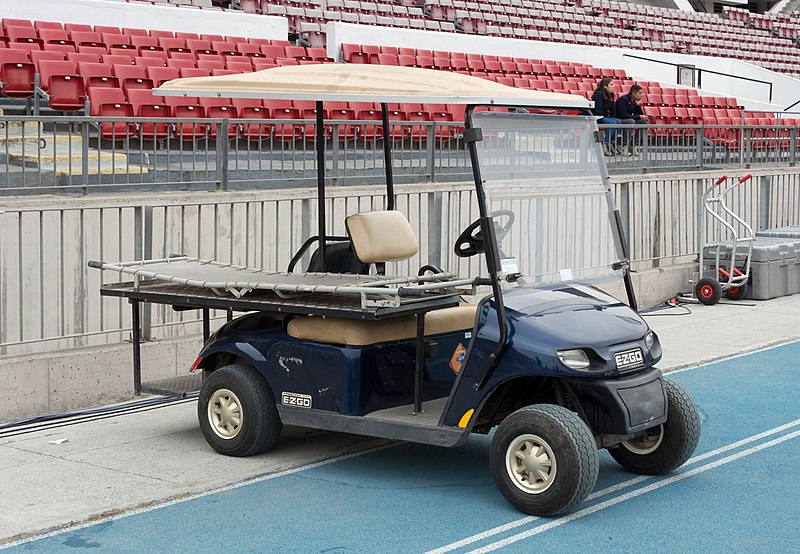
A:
84, 155
49, 299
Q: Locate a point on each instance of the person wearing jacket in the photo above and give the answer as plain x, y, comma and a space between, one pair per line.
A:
605, 109
629, 110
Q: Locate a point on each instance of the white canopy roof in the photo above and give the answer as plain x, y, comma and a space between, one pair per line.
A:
366, 83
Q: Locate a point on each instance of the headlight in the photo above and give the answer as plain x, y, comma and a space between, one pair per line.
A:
573, 359
649, 338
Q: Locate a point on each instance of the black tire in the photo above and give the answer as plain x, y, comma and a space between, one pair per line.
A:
707, 291
667, 446
252, 425
560, 438
736, 293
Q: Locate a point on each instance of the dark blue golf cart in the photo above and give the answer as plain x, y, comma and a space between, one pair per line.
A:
515, 334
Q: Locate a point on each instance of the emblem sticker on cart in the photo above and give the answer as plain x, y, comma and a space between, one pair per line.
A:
458, 358
295, 399
629, 358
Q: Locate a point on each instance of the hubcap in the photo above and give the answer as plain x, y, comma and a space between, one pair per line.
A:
647, 443
531, 464
225, 414
706, 291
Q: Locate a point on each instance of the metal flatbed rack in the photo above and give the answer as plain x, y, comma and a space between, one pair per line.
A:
190, 283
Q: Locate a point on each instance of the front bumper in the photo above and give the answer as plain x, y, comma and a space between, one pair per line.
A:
624, 406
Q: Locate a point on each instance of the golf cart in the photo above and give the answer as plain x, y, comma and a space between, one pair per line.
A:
514, 334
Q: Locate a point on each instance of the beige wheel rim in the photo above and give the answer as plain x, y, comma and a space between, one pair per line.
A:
225, 414
531, 464
647, 443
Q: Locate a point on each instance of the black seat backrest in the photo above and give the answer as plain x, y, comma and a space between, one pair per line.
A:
339, 258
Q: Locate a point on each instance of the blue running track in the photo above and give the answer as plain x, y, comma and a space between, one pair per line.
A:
740, 492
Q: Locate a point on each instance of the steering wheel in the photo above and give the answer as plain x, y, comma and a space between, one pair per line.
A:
470, 241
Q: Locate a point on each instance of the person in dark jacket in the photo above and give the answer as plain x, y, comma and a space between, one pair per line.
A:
606, 109
629, 110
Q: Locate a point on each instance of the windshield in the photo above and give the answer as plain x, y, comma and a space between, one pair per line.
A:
543, 181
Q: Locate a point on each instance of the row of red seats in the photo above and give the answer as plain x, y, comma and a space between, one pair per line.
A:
115, 102
107, 44
18, 68
455, 61
22, 35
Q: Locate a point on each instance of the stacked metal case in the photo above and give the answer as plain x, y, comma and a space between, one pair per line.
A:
774, 266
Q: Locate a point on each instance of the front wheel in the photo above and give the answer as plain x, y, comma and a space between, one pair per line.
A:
237, 411
708, 291
544, 459
661, 449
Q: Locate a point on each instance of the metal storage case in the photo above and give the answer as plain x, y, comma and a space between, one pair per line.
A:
789, 232
775, 266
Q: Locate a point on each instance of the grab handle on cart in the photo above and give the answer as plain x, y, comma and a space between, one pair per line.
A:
96, 265
721, 180
746, 178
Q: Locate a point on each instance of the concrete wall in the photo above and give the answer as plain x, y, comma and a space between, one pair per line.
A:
148, 16
56, 382
754, 96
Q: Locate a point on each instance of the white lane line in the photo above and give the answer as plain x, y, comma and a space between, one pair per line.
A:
183, 499
612, 489
633, 494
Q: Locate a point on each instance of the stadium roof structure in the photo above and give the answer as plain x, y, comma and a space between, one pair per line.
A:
367, 83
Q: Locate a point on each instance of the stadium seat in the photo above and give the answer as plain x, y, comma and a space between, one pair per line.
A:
61, 82
26, 35
160, 75
186, 108
97, 75
16, 73
252, 108
146, 105
110, 102
220, 108
55, 36
279, 109
132, 77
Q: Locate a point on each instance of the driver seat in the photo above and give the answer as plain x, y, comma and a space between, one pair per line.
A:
378, 237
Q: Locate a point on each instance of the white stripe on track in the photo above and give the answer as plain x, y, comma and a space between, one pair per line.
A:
633, 494
226, 488
612, 489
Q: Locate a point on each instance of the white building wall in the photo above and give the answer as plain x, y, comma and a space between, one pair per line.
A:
148, 16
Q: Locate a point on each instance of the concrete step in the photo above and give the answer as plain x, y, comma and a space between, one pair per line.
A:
105, 168
15, 129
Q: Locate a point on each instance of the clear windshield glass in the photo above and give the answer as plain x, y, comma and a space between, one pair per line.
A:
543, 181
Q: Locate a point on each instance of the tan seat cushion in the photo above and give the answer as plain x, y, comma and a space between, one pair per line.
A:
381, 236
359, 332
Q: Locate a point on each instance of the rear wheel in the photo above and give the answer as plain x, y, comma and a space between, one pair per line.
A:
544, 459
736, 293
237, 412
707, 291
666, 447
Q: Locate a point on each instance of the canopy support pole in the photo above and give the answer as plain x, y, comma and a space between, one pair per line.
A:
320, 130
387, 156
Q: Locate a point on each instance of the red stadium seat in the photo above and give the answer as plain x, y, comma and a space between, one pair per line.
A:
250, 50
181, 63
279, 109
141, 43
210, 64
55, 36
224, 48
172, 44
240, 66
82, 27
186, 72
220, 108
252, 108
187, 108
159, 34
78, 57
16, 73
27, 35
87, 38
159, 75
61, 82
107, 29
117, 59
110, 102
37, 55
132, 77
145, 104
96, 75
